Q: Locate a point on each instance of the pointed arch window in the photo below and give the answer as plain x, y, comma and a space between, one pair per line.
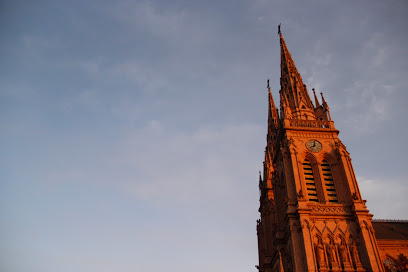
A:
310, 181
328, 182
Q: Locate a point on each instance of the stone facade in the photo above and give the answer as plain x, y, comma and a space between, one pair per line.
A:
312, 216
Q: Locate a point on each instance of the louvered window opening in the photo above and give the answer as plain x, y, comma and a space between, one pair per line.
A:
328, 181
310, 182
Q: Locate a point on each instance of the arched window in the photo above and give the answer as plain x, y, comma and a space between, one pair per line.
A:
328, 182
310, 182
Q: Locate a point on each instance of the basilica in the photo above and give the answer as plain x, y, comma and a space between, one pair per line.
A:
312, 216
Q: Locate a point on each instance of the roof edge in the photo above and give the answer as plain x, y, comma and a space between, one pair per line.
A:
390, 220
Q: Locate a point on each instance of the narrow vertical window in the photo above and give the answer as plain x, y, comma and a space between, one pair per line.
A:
310, 182
328, 181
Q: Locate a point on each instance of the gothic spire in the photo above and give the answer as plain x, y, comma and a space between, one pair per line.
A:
271, 102
273, 115
325, 107
316, 100
273, 126
323, 101
292, 85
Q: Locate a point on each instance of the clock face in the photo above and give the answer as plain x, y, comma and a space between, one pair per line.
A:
314, 145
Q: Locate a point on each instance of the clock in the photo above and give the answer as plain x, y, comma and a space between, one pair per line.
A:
314, 145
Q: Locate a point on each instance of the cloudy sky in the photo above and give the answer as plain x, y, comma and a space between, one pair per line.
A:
132, 132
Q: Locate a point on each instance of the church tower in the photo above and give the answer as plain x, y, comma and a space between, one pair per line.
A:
312, 216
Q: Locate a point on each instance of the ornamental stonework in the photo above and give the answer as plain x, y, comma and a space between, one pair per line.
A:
332, 209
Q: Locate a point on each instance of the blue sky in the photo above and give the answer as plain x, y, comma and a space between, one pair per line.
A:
133, 131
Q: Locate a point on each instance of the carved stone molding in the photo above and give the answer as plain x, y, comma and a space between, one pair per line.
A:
311, 135
325, 209
309, 123
306, 224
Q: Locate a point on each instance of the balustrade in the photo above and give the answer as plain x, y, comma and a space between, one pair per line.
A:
309, 123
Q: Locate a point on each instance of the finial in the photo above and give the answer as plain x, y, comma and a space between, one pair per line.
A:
323, 101
315, 97
268, 85
279, 31
325, 106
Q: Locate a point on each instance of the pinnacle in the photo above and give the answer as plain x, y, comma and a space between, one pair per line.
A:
315, 97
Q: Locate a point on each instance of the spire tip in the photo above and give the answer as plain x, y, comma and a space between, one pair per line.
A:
323, 101
315, 97
279, 31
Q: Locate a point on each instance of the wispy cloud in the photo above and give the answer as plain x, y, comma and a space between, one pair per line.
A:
37, 45
377, 193
189, 166
369, 98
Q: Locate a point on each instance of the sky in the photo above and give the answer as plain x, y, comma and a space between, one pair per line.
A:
132, 132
